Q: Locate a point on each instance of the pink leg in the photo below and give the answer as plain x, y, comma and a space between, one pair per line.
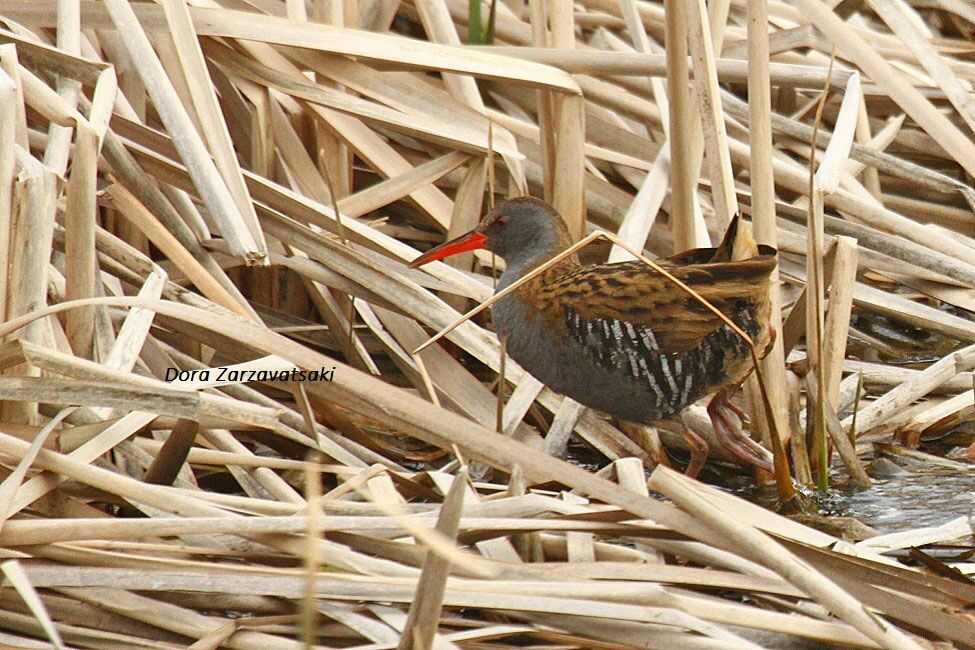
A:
699, 452
730, 434
648, 439
746, 440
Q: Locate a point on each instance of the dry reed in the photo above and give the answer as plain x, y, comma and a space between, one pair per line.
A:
187, 187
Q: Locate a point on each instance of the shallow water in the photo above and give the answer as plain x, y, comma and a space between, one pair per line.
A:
924, 495
929, 497
909, 501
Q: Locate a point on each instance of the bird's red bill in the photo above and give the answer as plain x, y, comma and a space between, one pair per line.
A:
466, 242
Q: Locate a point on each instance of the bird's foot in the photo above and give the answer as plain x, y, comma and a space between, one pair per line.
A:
699, 449
730, 433
648, 439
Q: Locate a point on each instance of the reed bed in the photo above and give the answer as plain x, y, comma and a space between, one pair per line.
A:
202, 204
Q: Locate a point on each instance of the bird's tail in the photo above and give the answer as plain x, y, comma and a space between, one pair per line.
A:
738, 243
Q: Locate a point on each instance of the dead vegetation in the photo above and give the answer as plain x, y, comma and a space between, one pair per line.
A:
191, 186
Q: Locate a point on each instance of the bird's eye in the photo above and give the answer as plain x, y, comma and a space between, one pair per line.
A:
501, 221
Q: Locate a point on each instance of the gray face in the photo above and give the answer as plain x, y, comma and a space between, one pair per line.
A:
520, 230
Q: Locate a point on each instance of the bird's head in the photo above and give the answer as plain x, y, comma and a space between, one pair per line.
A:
519, 230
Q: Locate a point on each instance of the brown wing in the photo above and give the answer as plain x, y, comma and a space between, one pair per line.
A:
629, 303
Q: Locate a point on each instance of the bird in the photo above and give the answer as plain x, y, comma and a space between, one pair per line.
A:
620, 337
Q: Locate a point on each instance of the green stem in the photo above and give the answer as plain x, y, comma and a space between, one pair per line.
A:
475, 33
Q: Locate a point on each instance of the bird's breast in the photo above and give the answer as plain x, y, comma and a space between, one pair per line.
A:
654, 389
614, 366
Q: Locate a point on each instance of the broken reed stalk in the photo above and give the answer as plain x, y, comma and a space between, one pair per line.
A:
309, 602
173, 453
780, 460
15, 574
682, 128
903, 395
837, 326
846, 448
333, 193
764, 222
814, 299
428, 386
543, 99
852, 433
491, 180
215, 193
708, 98
502, 340
442, 546
760, 547
424, 614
